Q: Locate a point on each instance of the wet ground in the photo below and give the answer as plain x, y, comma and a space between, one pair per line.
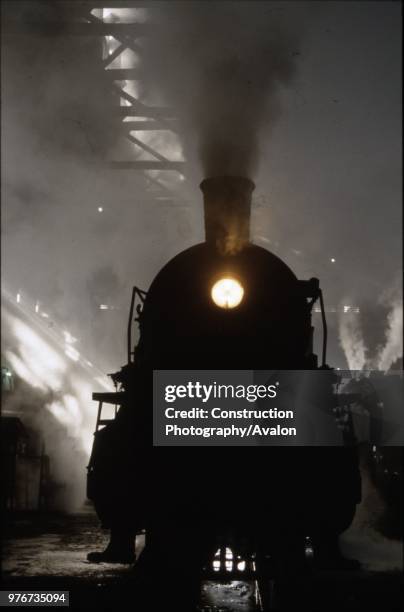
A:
56, 546
48, 552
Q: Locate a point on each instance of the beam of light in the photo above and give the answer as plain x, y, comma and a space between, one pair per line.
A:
44, 369
24, 372
45, 365
104, 382
72, 354
69, 339
66, 411
38, 357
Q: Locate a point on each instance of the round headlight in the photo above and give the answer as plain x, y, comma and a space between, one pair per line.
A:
227, 293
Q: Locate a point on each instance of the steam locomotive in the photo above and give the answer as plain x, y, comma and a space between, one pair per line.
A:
223, 304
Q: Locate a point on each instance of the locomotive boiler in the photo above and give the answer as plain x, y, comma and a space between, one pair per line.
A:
222, 304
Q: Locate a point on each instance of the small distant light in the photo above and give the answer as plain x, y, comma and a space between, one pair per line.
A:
100, 209
18, 298
8, 373
104, 307
44, 315
37, 307
182, 177
332, 260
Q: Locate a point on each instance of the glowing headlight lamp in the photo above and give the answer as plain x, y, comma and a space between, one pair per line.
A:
227, 293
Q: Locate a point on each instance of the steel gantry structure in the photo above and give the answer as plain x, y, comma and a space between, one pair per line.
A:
151, 131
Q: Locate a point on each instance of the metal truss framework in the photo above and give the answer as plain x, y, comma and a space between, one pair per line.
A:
136, 116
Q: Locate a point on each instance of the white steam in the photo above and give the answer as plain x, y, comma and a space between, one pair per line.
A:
393, 348
352, 341
364, 348
362, 541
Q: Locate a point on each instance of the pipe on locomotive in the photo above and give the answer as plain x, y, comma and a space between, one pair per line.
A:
227, 211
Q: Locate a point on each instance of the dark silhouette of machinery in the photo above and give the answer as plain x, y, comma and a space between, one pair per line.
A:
189, 502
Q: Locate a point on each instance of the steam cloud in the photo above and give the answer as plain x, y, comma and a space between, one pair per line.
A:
373, 340
222, 65
364, 540
352, 341
393, 349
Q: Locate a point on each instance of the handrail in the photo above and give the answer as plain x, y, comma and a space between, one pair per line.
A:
325, 330
129, 331
142, 295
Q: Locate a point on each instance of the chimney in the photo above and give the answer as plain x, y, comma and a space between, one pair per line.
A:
227, 208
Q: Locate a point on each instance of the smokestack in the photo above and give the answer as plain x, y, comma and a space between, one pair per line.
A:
227, 208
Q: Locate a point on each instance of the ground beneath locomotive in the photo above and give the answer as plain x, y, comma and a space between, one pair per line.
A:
49, 553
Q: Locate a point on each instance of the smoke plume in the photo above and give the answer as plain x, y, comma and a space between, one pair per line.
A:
222, 65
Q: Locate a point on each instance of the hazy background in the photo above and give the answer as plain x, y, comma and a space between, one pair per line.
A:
304, 97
